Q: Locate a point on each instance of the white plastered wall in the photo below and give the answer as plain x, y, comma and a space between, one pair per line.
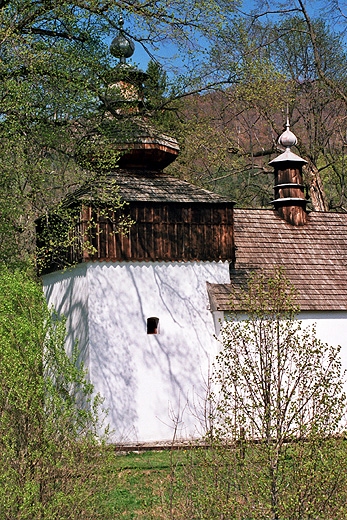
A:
151, 383
331, 328
67, 292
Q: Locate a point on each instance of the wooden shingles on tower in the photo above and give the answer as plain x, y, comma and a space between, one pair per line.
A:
171, 220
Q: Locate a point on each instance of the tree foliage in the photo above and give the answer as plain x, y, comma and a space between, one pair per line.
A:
55, 70
264, 61
278, 380
50, 461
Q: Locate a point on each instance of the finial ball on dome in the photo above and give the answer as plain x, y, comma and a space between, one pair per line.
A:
122, 47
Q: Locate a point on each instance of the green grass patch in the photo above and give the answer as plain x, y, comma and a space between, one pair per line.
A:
226, 482
141, 482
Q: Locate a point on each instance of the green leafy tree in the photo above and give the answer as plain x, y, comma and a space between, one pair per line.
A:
160, 102
275, 414
215, 136
51, 461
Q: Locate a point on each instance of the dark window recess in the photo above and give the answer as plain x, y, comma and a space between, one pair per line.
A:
152, 325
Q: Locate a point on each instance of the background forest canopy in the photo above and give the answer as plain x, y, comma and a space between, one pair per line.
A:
220, 78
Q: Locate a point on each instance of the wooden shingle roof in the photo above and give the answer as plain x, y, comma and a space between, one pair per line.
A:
148, 186
314, 257
157, 186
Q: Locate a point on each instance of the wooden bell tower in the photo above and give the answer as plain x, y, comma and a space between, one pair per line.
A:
289, 201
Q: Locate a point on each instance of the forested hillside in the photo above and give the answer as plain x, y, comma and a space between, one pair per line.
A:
229, 134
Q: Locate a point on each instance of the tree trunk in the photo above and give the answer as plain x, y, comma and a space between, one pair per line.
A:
316, 190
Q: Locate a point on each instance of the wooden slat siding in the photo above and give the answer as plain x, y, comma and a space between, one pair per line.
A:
187, 226
195, 239
142, 234
147, 224
286, 203
223, 231
96, 234
170, 232
180, 246
86, 215
126, 242
218, 232
289, 192
204, 232
134, 235
112, 235
123, 246
173, 234
152, 244
230, 246
210, 247
149, 245
158, 225
101, 243
314, 257
212, 234
101, 249
163, 232
165, 244
104, 238
108, 234
91, 233
290, 174
176, 235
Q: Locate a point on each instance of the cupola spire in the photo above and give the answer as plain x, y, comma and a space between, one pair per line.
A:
289, 201
125, 137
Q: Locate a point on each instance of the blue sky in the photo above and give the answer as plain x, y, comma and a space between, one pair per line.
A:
141, 58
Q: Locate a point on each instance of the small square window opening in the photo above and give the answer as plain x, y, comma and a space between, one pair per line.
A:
152, 325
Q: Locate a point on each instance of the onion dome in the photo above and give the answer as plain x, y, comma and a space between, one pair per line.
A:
122, 46
288, 139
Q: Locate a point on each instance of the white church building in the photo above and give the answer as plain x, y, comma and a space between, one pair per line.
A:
146, 306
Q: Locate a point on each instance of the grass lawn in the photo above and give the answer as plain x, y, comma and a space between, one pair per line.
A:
210, 484
142, 486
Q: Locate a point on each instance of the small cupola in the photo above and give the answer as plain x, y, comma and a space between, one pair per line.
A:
289, 199
141, 145
122, 46
124, 96
124, 137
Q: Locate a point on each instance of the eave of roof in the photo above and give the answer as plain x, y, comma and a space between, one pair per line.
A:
288, 155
